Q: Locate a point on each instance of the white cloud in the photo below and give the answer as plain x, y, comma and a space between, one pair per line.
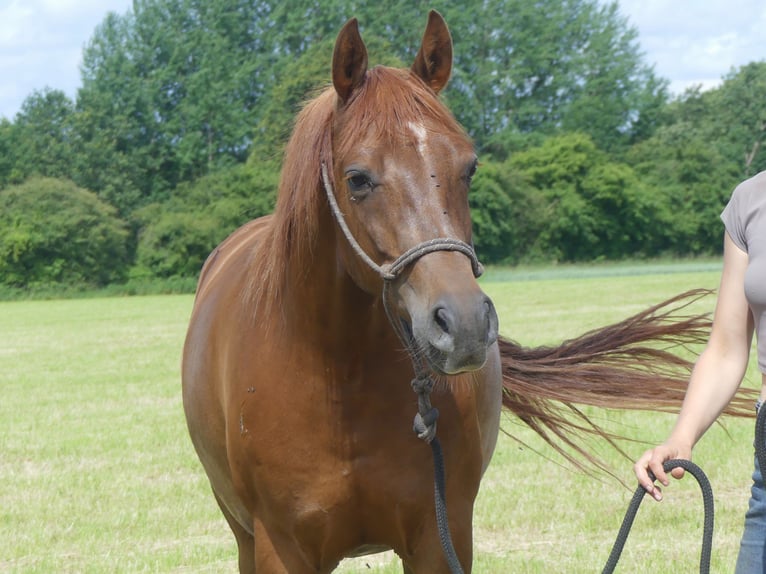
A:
698, 41
688, 41
14, 17
41, 44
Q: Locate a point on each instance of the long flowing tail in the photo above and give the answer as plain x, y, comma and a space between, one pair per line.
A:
634, 364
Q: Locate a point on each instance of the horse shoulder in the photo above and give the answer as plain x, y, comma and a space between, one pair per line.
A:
245, 236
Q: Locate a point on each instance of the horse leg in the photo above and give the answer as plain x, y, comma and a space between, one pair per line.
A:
278, 553
430, 558
427, 554
245, 541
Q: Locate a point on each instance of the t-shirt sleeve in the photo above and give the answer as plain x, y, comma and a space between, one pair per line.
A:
733, 217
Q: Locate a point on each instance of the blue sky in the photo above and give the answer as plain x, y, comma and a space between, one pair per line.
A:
41, 44
688, 41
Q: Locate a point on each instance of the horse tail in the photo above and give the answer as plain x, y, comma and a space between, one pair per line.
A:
633, 364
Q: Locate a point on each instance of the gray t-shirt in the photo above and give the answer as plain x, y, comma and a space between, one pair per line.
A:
745, 221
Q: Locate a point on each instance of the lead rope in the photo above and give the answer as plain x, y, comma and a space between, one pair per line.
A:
638, 496
707, 498
424, 424
760, 438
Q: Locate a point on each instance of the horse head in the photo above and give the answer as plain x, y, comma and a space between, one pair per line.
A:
402, 169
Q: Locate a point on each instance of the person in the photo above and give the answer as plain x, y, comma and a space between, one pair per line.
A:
740, 310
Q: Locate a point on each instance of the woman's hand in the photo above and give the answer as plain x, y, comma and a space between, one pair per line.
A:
652, 461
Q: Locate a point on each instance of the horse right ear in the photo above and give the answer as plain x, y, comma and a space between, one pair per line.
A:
349, 61
433, 63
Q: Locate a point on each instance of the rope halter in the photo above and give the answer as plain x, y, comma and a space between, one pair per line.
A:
423, 383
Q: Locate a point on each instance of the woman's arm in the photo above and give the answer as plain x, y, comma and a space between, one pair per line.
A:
716, 375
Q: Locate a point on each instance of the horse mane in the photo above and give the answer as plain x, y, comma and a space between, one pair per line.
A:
381, 108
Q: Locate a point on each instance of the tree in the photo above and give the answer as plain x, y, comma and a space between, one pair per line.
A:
296, 82
614, 97
507, 215
8, 171
181, 98
47, 139
52, 231
707, 143
169, 94
532, 67
739, 122
594, 208
176, 89
115, 121
41, 140
689, 180
176, 236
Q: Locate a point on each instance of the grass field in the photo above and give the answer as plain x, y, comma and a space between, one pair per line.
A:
98, 474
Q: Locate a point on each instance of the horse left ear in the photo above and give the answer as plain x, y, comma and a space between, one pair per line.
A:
349, 61
433, 64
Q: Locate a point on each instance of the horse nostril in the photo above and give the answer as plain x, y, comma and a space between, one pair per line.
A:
443, 318
443, 329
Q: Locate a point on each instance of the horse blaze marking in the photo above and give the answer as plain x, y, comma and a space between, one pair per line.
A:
421, 137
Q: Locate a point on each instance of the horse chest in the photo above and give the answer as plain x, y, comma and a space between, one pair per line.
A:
325, 417
320, 453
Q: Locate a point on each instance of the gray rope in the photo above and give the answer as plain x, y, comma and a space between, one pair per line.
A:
424, 424
441, 509
429, 246
630, 515
342, 222
760, 438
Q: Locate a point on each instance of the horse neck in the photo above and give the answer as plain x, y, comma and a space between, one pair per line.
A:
321, 298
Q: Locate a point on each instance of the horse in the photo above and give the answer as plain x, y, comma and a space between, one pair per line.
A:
309, 323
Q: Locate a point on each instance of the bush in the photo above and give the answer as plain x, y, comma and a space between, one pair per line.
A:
175, 237
591, 207
53, 232
506, 214
176, 244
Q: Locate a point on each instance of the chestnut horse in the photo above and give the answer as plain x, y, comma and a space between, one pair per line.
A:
296, 367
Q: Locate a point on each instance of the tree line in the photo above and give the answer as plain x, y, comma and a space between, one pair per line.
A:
174, 137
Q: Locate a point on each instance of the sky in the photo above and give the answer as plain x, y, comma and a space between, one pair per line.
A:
689, 42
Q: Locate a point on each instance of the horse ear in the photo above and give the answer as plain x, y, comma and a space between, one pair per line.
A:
349, 61
433, 64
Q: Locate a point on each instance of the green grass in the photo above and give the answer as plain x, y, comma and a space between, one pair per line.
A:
137, 286
98, 474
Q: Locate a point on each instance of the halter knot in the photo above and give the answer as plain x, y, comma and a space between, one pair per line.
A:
422, 384
386, 274
424, 424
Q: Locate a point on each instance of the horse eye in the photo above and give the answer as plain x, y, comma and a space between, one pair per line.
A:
472, 170
358, 183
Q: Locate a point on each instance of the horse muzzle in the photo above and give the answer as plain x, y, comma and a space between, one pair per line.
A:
456, 332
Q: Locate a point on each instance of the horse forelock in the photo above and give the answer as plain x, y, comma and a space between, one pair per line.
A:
384, 108
389, 101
